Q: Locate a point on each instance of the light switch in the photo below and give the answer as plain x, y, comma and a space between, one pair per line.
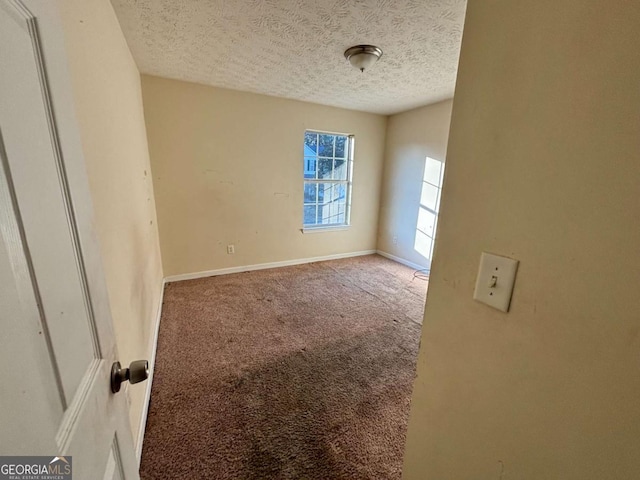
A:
496, 277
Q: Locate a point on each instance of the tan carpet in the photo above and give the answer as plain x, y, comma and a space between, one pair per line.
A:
301, 372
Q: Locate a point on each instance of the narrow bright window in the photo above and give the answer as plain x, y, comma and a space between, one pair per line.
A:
428, 212
328, 165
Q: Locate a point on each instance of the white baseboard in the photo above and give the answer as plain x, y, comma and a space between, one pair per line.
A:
153, 347
263, 266
401, 260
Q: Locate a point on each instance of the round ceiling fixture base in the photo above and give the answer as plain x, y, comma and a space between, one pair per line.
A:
362, 56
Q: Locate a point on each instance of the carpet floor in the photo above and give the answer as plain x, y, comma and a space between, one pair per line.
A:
302, 372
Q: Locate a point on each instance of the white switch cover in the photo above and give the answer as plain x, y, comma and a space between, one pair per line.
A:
496, 277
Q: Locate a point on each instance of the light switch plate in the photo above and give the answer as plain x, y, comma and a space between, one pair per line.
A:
496, 277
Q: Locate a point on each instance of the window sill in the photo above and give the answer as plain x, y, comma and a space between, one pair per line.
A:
328, 228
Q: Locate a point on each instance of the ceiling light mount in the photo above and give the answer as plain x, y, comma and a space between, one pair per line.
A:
363, 56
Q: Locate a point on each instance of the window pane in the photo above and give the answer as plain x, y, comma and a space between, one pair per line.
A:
330, 214
423, 244
327, 214
309, 215
321, 192
310, 167
429, 196
341, 147
310, 143
432, 170
332, 192
325, 191
332, 203
310, 190
426, 222
325, 167
326, 145
340, 169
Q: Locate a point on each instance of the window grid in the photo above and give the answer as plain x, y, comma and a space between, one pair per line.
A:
427, 222
333, 209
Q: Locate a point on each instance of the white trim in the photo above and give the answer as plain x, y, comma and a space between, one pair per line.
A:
153, 347
263, 266
327, 228
401, 260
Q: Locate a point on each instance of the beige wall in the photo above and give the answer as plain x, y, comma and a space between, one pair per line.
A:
411, 137
544, 166
106, 87
227, 169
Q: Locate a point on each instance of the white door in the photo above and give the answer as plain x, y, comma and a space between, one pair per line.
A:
56, 338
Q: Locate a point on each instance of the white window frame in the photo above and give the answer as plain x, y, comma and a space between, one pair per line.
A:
350, 145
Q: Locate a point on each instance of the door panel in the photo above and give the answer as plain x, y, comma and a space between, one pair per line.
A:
59, 335
114, 469
36, 405
32, 162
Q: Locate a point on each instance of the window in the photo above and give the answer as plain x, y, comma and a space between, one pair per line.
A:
328, 160
429, 208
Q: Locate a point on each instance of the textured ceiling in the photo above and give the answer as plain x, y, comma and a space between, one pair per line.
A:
294, 48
